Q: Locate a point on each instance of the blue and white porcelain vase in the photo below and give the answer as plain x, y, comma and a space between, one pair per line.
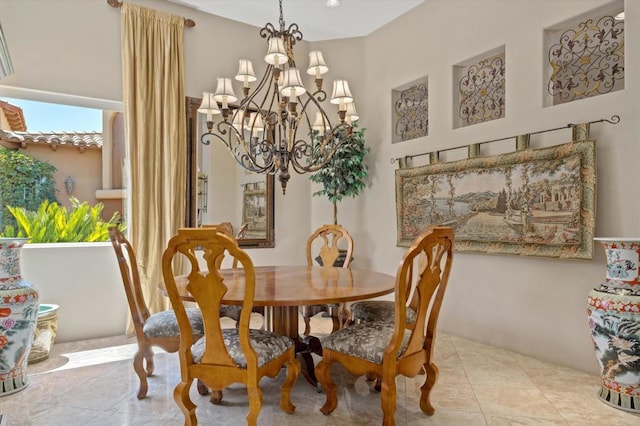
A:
18, 315
614, 320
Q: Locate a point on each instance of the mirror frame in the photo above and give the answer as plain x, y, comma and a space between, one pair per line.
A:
193, 139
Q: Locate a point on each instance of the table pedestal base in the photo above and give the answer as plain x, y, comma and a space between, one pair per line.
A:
284, 321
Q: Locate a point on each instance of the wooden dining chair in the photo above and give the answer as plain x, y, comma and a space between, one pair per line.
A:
152, 330
383, 310
229, 355
325, 244
229, 311
387, 350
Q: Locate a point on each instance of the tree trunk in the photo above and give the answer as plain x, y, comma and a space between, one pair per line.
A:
335, 208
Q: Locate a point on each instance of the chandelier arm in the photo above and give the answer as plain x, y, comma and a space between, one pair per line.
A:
312, 99
268, 31
298, 152
319, 155
320, 95
296, 34
238, 150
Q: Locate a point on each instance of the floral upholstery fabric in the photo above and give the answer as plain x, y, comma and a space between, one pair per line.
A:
231, 311
379, 310
165, 324
367, 341
268, 346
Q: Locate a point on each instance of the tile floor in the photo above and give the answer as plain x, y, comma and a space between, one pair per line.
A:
92, 383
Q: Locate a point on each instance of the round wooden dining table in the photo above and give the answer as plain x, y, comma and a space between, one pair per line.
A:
283, 289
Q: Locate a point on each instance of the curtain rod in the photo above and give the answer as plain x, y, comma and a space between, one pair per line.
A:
190, 23
615, 119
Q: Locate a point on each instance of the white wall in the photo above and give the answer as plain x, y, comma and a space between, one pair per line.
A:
530, 305
84, 280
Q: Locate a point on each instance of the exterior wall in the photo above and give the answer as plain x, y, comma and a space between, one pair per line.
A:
83, 167
529, 305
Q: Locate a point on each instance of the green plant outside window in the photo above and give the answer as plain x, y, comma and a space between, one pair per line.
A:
53, 223
24, 182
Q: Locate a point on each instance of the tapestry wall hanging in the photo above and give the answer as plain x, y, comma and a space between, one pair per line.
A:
531, 202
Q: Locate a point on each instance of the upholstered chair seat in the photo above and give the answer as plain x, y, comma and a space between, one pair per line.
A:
378, 311
268, 346
367, 341
383, 310
164, 324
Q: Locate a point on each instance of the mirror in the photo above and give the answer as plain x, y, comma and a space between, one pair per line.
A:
220, 190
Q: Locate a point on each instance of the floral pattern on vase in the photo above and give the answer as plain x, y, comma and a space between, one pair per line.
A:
18, 314
614, 320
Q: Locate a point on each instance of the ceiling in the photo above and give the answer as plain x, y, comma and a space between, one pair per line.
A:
315, 20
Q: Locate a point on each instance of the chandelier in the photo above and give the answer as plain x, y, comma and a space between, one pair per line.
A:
279, 124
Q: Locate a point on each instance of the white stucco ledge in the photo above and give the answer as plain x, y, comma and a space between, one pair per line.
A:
29, 246
109, 194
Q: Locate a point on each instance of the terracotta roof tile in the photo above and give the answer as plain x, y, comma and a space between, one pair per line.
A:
81, 140
14, 116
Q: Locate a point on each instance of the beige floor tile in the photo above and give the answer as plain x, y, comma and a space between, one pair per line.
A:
575, 408
92, 383
522, 421
443, 417
515, 401
453, 397
489, 370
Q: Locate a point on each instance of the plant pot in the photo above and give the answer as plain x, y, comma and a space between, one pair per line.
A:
18, 311
46, 329
614, 320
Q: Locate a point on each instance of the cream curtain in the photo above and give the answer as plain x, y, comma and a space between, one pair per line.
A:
155, 130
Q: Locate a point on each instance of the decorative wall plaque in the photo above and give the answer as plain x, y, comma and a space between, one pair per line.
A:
410, 111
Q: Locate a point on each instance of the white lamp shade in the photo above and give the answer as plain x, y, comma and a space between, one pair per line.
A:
352, 114
208, 106
319, 124
245, 71
224, 92
341, 93
238, 120
292, 83
317, 65
276, 54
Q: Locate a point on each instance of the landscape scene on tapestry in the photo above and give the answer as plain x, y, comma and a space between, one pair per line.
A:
535, 202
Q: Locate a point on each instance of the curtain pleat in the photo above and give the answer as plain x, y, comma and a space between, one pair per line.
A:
155, 130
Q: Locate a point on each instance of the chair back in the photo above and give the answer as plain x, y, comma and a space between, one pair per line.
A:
329, 237
208, 288
242, 232
421, 281
130, 278
227, 228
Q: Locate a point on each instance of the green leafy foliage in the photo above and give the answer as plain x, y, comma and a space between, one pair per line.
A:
53, 223
346, 173
24, 182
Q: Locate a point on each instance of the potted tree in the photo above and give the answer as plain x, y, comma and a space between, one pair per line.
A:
345, 174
